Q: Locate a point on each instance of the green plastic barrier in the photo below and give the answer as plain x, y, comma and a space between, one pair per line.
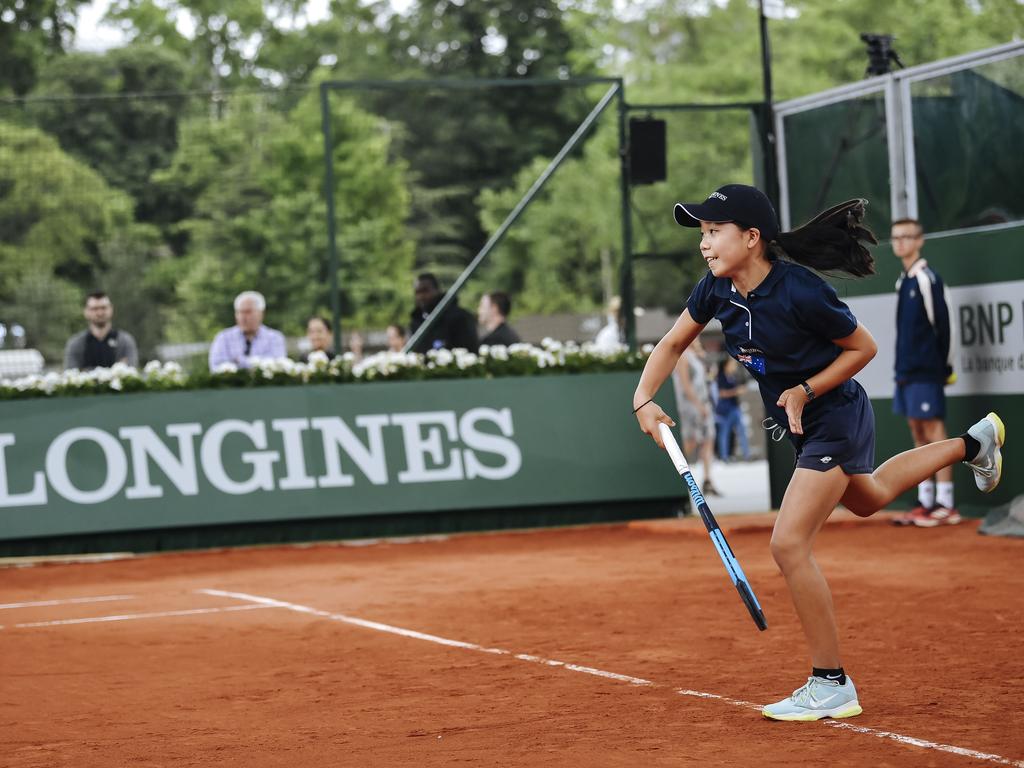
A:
168, 460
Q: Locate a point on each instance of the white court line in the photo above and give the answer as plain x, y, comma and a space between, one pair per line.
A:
130, 616
270, 602
998, 759
38, 603
726, 699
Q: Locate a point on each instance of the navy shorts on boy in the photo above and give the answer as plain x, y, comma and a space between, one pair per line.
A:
919, 400
783, 332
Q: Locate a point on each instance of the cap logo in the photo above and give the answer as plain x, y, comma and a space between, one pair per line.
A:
719, 195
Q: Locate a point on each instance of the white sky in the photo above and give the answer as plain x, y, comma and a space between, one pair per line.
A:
90, 36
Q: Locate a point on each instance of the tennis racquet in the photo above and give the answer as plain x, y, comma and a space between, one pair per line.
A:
732, 565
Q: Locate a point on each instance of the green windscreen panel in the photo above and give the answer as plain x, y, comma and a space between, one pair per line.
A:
837, 152
968, 127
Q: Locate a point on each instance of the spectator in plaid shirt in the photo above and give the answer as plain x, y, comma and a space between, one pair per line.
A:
249, 337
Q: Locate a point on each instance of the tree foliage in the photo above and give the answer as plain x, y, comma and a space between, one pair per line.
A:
175, 203
32, 33
460, 143
224, 45
56, 216
256, 176
127, 128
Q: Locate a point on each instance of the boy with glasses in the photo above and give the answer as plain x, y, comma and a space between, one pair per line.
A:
923, 368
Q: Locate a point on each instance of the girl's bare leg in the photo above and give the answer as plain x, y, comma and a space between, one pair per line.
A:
867, 494
809, 500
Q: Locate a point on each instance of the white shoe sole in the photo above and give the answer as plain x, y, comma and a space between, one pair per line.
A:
850, 709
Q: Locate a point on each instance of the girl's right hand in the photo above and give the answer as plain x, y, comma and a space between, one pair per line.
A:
649, 416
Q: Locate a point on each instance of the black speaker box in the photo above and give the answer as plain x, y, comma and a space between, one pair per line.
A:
646, 150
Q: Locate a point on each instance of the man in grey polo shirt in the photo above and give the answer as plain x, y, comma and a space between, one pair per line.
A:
101, 345
249, 337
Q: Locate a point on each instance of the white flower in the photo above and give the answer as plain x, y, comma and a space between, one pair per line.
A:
226, 368
122, 369
465, 359
442, 356
551, 344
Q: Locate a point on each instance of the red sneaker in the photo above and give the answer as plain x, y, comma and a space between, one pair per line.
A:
943, 516
911, 517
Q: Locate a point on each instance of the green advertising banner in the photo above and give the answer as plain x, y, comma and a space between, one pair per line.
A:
167, 460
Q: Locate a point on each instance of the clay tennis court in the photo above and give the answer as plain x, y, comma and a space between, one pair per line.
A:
621, 645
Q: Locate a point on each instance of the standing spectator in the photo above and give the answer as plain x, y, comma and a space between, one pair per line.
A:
492, 314
356, 343
101, 345
728, 414
249, 337
610, 336
453, 329
396, 338
923, 368
320, 337
696, 415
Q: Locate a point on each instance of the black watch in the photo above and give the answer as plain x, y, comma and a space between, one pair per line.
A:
807, 390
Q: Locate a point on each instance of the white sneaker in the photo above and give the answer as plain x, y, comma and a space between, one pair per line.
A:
988, 464
816, 699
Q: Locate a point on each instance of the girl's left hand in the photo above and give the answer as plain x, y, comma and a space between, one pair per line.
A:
793, 400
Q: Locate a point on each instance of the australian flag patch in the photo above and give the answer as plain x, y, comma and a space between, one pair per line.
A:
752, 358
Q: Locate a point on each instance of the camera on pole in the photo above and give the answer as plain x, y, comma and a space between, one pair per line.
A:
881, 56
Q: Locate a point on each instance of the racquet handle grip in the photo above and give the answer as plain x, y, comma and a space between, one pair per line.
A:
669, 441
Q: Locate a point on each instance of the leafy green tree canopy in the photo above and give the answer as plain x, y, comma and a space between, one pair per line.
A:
56, 216
32, 32
257, 177
120, 114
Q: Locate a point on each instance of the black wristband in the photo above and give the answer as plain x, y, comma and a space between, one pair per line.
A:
808, 391
642, 405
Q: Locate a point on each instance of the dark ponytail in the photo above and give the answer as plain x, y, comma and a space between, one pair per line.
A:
830, 242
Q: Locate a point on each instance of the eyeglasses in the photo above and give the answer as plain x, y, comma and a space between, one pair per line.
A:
894, 238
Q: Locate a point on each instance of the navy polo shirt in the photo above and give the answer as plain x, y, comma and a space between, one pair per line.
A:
781, 332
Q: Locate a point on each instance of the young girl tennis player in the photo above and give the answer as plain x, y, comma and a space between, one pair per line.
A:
803, 346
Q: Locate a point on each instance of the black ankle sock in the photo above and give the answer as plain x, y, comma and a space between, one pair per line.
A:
836, 675
971, 447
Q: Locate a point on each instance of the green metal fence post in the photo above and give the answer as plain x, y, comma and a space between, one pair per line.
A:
626, 280
332, 245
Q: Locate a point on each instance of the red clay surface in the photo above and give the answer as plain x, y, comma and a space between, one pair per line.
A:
931, 622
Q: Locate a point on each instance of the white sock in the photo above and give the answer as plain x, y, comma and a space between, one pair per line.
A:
926, 493
944, 494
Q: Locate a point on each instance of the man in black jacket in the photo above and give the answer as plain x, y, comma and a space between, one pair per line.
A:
454, 328
492, 314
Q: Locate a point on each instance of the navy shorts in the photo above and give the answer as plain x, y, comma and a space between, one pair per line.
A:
843, 436
919, 400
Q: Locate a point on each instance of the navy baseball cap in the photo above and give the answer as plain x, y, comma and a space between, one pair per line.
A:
737, 203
